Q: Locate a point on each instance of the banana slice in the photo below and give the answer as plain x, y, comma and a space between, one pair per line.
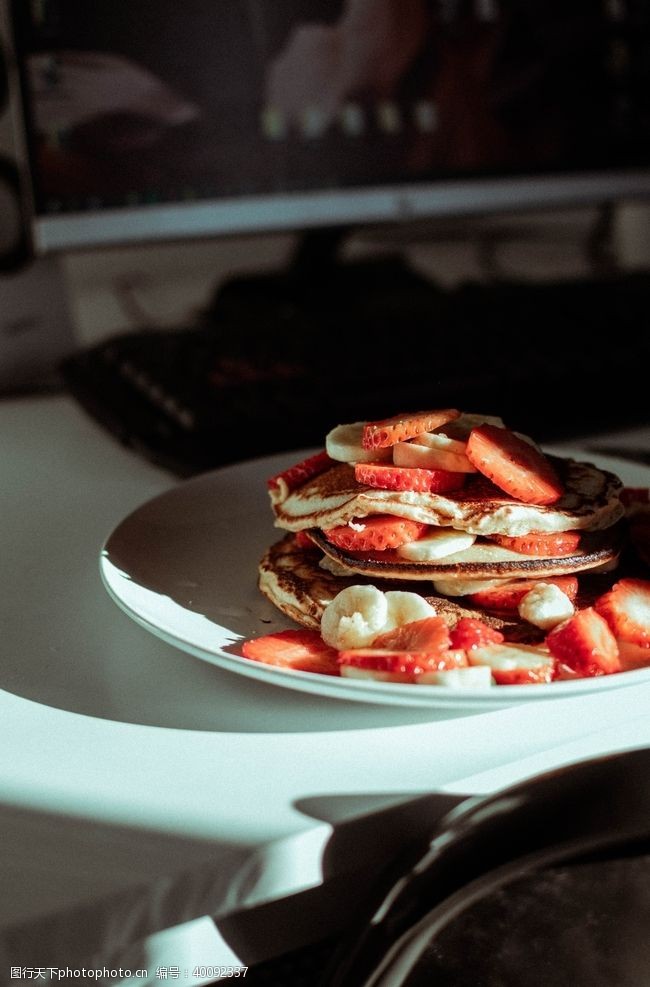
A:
476, 677
404, 608
461, 427
463, 587
344, 444
435, 455
355, 617
442, 442
546, 606
334, 567
436, 545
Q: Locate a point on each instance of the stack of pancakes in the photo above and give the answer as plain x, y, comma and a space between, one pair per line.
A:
304, 571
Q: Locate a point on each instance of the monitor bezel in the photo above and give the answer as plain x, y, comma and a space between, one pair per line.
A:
349, 206
359, 206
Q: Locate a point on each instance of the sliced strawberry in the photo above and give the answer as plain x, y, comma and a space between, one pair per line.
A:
407, 478
585, 643
507, 598
294, 477
633, 656
397, 665
471, 633
300, 650
539, 543
540, 674
381, 434
303, 540
430, 635
514, 465
375, 533
626, 608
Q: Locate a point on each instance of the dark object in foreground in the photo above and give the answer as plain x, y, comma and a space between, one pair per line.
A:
544, 883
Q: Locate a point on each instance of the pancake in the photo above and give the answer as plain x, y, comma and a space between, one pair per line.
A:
292, 580
483, 560
590, 503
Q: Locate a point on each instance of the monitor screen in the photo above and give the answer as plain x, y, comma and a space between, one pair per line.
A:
156, 120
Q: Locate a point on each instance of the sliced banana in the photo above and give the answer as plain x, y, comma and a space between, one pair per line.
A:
476, 677
359, 614
442, 442
436, 545
344, 443
334, 567
355, 617
404, 608
545, 606
463, 587
432, 457
461, 427
510, 657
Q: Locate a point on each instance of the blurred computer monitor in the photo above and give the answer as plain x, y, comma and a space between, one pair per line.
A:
155, 121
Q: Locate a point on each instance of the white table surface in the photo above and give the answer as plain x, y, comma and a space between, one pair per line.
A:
126, 764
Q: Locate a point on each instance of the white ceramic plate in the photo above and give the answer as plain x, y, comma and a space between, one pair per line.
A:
184, 566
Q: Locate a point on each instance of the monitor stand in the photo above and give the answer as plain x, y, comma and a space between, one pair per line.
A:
378, 293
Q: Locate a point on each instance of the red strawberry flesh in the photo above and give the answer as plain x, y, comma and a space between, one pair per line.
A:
585, 643
471, 633
506, 598
375, 533
407, 478
513, 465
400, 428
430, 635
299, 650
301, 472
540, 544
626, 608
396, 662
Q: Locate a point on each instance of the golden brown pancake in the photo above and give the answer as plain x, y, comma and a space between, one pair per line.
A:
590, 503
483, 560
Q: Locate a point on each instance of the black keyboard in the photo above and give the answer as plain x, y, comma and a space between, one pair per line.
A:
278, 361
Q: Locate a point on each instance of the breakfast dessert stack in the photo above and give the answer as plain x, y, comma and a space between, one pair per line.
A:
449, 535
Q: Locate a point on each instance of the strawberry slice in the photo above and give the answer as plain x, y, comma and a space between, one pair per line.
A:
375, 533
514, 465
300, 650
388, 431
540, 543
585, 643
386, 664
379, 664
626, 608
303, 541
290, 479
407, 478
471, 633
507, 598
430, 635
